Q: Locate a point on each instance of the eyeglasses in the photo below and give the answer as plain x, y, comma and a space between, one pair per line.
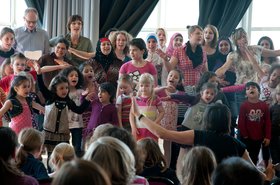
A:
30, 22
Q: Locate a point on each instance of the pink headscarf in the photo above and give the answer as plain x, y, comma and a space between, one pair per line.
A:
170, 49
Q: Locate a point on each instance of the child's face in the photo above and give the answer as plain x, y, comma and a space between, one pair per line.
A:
214, 80
208, 35
88, 73
19, 65
60, 50
125, 88
252, 92
173, 78
121, 42
7, 41
136, 53
103, 96
177, 42
152, 45
145, 89
274, 78
62, 90
105, 47
8, 70
224, 47
23, 89
208, 95
76, 27
73, 78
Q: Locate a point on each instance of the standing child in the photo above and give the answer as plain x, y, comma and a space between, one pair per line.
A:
275, 128
31, 143
254, 121
103, 109
169, 121
123, 103
58, 103
75, 79
18, 105
150, 106
91, 86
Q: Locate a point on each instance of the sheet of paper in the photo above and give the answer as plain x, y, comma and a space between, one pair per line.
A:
33, 55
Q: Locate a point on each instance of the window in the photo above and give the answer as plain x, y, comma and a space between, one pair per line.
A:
12, 13
173, 16
264, 21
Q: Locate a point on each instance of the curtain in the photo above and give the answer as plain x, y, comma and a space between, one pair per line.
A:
129, 15
39, 5
57, 13
224, 14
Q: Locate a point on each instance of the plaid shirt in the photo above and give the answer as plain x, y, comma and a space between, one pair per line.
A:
191, 76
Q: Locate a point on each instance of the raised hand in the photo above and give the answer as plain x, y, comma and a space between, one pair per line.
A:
36, 67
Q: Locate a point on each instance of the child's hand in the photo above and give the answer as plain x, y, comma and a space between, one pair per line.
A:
266, 142
30, 63
85, 92
270, 171
90, 96
37, 67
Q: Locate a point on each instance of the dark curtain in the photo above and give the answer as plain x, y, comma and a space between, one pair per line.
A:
129, 15
39, 5
224, 14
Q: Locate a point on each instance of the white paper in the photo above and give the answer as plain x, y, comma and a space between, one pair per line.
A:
33, 55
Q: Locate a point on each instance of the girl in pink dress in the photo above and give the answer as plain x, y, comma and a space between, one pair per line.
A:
18, 105
149, 105
169, 120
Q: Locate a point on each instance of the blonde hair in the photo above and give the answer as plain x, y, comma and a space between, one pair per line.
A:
30, 140
237, 34
192, 29
147, 78
214, 29
115, 157
62, 153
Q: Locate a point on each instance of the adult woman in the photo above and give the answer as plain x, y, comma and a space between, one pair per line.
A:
267, 43
191, 59
120, 40
8, 172
7, 37
58, 57
161, 33
105, 64
216, 121
175, 42
209, 43
77, 42
138, 65
244, 61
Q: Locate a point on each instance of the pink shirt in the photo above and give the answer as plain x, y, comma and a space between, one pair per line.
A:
135, 72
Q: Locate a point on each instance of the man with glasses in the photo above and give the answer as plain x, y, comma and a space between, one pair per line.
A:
29, 37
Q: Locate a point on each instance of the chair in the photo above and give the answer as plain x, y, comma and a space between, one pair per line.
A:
159, 181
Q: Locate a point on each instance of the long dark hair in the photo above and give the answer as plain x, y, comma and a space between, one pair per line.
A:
17, 81
58, 79
65, 72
